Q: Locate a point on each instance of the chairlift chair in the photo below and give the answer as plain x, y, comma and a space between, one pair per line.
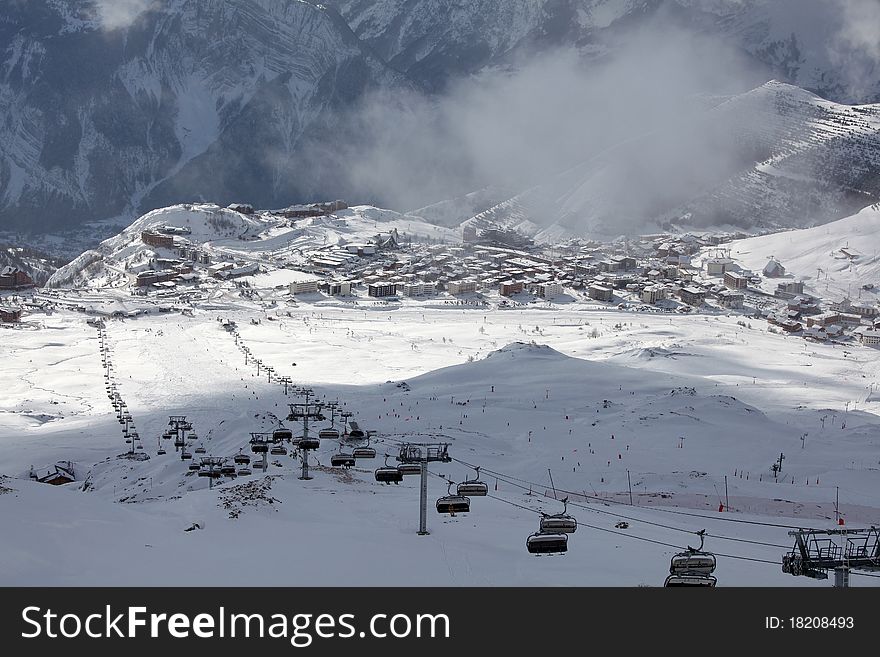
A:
259, 447
388, 474
227, 469
410, 469
559, 522
690, 580
161, 452
450, 503
473, 487
241, 459
200, 450
244, 472
186, 455
328, 434
282, 434
547, 543
194, 466
312, 442
278, 450
693, 561
364, 453
342, 460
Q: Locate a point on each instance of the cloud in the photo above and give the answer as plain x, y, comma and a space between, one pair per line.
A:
116, 14
517, 126
855, 46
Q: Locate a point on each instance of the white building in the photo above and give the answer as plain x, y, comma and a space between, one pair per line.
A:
461, 287
418, 289
304, 286
653, 294
548, 290
718, 266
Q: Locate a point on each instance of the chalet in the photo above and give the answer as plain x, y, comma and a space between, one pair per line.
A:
735, 280
461, 287
243, 208
10, 315
600, 292
13, 278
731, 299
774, 269
382, 289
624, 263
61, 475
693, 296
506, 288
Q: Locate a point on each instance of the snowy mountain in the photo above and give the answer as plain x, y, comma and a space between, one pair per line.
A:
182, 101
776, 157
822, 45
833, 260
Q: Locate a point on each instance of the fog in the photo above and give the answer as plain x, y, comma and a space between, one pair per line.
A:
517, 126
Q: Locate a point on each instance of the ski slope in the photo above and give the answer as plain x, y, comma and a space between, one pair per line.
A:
688, 403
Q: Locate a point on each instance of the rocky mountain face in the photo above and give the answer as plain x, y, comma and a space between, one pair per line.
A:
188, 99
829, 47
109, 109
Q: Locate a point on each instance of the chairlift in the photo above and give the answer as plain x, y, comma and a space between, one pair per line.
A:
450, 503
473, 487
693, 561
186, 455
139, 446
200, 450
179, 442
282, 434
388, 473
227, 469
241, 459
410, 469
194, 466
193, 436
244, 472
161, 452
259, 447
547, 543
207, 472
559, 522
328, 434
167, 435
278, 450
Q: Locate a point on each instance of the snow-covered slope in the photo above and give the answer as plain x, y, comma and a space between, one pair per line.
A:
517, 410
775, 157
226, 234
834, 259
